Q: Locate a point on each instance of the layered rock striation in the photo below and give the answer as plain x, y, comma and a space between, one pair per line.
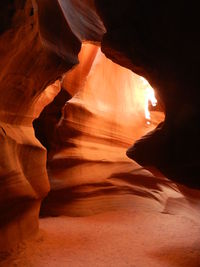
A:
39, 42
88, 144
37, 46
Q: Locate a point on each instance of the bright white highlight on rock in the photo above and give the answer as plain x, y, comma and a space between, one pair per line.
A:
149, 97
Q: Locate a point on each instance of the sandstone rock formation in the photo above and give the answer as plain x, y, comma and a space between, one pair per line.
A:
37, 45
90, 139
27, 66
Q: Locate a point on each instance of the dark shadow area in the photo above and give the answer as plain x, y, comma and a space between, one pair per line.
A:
45, 124
173, 150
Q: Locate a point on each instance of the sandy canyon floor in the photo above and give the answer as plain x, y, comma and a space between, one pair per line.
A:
119, 214
150, 228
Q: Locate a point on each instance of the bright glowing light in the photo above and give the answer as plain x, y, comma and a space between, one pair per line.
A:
149, 97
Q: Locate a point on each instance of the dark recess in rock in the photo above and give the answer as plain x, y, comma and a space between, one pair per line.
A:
160, 41
46, 124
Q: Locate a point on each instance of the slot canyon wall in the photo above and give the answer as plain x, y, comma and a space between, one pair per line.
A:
37, 45
39, 42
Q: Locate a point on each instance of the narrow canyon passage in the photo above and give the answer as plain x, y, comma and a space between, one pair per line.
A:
87, 150
99, 133
122, 216
104, 209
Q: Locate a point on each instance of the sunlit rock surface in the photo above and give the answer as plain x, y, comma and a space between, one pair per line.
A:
97, 126
88, 136
118, 213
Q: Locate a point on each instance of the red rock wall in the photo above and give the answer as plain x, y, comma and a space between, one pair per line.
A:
28, 63
39, 42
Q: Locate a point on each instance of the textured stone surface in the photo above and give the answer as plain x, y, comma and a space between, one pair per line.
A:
90, 139
39, 42
37, 45
27, 66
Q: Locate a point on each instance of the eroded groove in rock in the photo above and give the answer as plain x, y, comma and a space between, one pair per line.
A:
89, 142
87, 136
27, 66
46, 124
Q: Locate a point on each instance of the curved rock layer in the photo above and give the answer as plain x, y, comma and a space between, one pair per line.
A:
24, 75
118, 212
90, 140
39, 41
37, 45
